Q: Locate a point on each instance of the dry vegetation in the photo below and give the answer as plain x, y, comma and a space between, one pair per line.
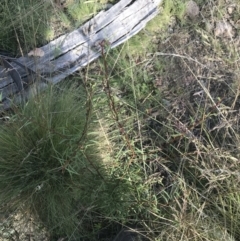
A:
162, 114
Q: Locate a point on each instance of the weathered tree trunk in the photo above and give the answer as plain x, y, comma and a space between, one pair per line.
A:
70, 52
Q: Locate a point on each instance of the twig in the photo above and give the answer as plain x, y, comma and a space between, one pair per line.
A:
105, 81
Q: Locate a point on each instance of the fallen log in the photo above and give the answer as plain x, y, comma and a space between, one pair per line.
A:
70, 52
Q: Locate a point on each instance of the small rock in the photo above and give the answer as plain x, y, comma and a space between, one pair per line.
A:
192, 9
230, 9
223, 29
128, 235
